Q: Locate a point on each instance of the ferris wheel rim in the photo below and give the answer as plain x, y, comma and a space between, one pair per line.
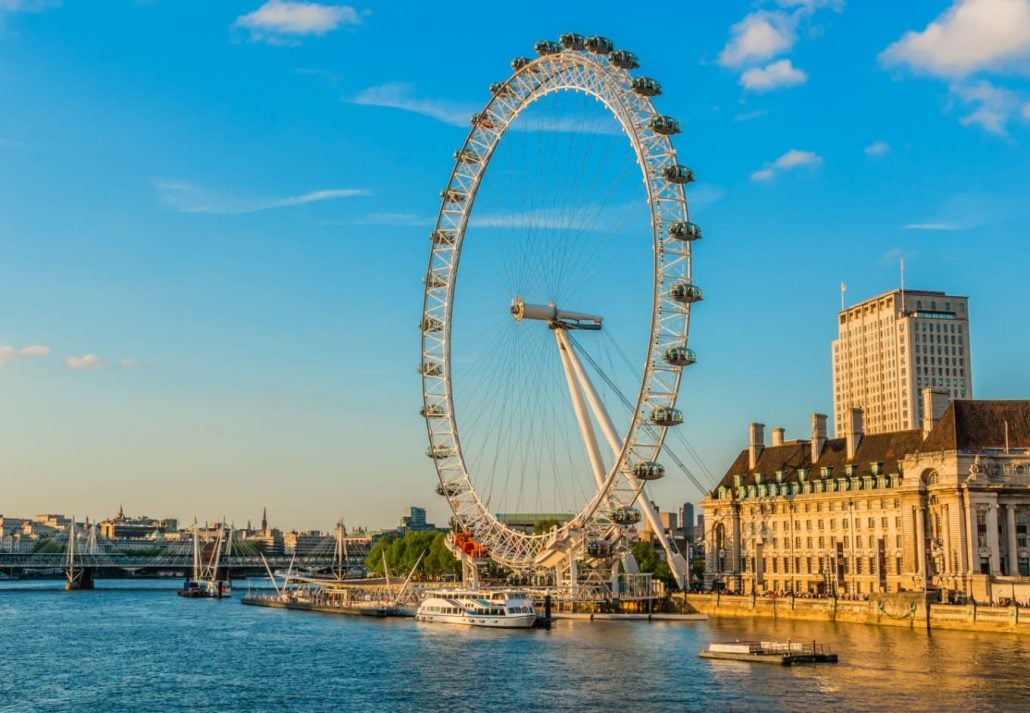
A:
561, 71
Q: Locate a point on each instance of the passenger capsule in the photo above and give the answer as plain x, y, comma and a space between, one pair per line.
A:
546, 47
664, 125
598, 44
431, 324
625, 516
646, 87
519, 63
571, 41
501, 89
686, 292
435, 280
678, 173
441, 236
684, 230
598, 548
431, 368
439, 452
679, 356
448, 490
623, 59
453, 196
648, 470
467, 156
662, 416
484, 120
432, 411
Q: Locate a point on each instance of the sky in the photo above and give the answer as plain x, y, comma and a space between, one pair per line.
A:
213, 226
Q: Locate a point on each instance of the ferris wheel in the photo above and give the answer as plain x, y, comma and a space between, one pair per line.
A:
534, 399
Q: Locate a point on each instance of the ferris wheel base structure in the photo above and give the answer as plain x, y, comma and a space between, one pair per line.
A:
594, 546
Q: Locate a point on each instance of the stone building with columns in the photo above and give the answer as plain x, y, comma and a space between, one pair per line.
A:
944, 507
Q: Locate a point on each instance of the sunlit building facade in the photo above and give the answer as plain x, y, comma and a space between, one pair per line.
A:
892, 346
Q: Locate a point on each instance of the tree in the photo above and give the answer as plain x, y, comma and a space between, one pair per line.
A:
403, 552
649, 560
546, 525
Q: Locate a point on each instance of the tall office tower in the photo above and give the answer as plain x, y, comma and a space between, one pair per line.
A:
890, 347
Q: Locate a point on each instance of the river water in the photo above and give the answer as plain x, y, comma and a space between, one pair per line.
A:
135, 646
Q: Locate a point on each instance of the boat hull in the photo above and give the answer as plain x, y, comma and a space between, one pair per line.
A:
516, 621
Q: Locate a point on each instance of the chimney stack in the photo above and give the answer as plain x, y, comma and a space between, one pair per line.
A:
777, 436
855, 431
818, 435
935, 403
755, 444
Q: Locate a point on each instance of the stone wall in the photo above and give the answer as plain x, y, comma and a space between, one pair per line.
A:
905, 609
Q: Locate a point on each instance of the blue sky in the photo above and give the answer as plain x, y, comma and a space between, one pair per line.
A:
213, 225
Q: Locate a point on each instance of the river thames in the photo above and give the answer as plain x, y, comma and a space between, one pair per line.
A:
131, 646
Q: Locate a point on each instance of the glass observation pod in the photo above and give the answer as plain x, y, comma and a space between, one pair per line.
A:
624, 60
680, 356
432, 411
452, 196
431, 324
646, 87
501, 89
678, 173
439, 452
599, 45
546, 47
484, 119
598, 548
664, 125
445, 237
431, 368
519, 63
435, 281
686, 292
571, 41
662, 416
625, 516
448, 490
467, 156
648, 470
683, 230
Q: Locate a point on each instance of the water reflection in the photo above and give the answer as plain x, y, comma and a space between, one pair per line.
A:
131, 650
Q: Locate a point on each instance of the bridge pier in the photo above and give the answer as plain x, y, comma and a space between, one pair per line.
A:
77, 578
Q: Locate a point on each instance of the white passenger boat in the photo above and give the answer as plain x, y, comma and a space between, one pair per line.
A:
503, 609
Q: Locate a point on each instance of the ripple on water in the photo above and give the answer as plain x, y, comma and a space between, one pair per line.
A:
130, 649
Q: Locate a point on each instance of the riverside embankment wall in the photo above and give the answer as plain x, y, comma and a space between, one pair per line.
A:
900, 609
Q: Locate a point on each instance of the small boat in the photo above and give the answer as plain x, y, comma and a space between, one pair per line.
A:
209, 580
501, 609
782, 653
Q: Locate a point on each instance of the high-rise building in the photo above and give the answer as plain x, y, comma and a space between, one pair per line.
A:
891, 347
687, 520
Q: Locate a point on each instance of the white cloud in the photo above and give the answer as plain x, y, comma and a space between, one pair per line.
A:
130, 363
86, 361
877, 148
932, 226
27, 5
280, 22
759, 36
991, 107
187, 197
790, 160
781, 73
9, 353
972, 35
812, 5
397, 95
749, 115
